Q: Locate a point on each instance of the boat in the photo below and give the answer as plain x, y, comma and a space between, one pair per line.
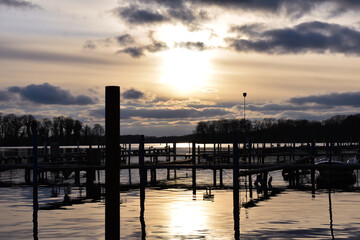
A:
335, 173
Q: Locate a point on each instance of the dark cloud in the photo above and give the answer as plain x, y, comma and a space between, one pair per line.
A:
316, 37
249, 29
135, 52
52, 95
18, 4
200, 46
14, 89
135, 15
159, 12
351, 99
139, 51
132, 94
125, 39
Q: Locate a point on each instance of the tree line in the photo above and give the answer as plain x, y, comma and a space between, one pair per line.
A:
339, 128
18, 131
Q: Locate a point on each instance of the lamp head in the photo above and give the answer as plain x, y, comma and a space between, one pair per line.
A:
244, 94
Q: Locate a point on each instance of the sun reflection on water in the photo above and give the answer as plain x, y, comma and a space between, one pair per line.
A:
187, 219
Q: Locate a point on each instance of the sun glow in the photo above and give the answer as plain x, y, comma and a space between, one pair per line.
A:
185, 70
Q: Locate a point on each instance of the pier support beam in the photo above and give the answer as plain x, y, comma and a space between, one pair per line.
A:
236, 204
221, 177
194, 169
77, 177
112, 164
214, 177
250, 178
143, 179
35, 183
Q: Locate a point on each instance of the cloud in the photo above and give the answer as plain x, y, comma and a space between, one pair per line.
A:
139, 51
133, 14
51, 95
125, 39
18, 4
135, 52
200, 46
351, 99
316, 37
161, 12
132, 94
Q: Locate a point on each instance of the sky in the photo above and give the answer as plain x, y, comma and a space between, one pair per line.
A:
179, 62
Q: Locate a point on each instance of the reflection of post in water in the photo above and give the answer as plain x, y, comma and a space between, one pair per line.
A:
331, 218
236, 189
35, 186
142, 186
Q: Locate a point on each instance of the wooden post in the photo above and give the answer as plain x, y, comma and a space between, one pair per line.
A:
250, 178
35, 185
214, 177
198, 150
143, 179
266, 184
174, 152
221, 178
236, 208
194, 168
112, 163
312, 169
77, 177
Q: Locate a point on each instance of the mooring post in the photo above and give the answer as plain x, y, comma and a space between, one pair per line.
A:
198, 151
221, 177
250, 178
312, 168
35, 184
77, 177
112, 163
236, 204
266, 194
214, 177
143, 179
194, 168
129, 159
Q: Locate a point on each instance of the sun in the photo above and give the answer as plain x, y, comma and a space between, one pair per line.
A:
185, 71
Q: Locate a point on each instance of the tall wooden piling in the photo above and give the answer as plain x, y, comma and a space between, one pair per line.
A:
35, 185
236, 203
194, 169
214, 177
221, 177
250, 178
312, 160
143, 180
112, 163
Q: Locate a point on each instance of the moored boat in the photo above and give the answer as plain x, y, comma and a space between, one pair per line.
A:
335, 173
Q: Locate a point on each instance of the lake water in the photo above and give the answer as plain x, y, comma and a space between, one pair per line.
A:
175, 213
